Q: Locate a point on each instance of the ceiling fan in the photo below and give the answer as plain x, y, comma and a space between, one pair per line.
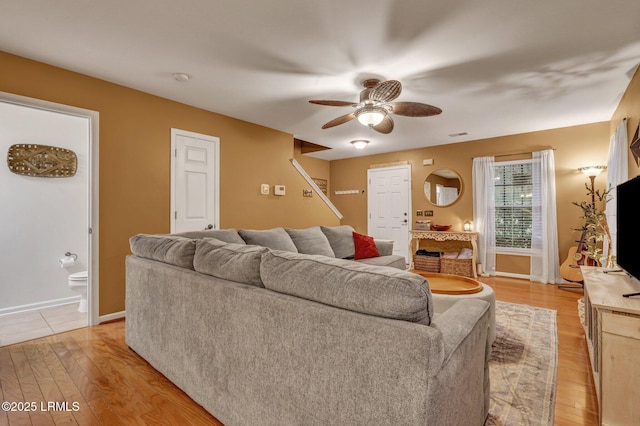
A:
375, 106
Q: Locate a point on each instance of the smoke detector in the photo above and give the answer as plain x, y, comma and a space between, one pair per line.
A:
181, 77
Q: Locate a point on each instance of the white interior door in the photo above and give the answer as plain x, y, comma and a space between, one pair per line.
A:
389, 205
194, 181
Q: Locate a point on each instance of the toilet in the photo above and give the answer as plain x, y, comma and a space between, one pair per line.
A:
78, 283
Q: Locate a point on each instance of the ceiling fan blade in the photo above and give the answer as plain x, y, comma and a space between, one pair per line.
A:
385, 126
340, 120
414, 109
386, 91
333, 103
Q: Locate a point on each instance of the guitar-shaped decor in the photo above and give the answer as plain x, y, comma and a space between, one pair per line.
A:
570, 269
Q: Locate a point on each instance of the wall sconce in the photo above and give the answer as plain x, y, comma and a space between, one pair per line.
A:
468, 225
360, 143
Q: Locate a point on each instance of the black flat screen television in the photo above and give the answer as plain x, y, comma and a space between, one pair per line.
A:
628, 226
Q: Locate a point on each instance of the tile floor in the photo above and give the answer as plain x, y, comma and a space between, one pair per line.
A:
23, 326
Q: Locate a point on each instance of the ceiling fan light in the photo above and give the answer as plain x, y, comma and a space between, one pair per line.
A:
371, 115
360, 143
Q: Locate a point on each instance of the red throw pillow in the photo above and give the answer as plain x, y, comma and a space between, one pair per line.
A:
365, 246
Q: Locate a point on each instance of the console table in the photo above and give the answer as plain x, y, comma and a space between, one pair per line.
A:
441, 237
612, 329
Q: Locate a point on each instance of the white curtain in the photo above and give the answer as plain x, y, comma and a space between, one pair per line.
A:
545, 261
484, 206
446, 195
617, 172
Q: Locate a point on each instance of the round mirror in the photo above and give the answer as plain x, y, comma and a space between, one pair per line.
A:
443, 187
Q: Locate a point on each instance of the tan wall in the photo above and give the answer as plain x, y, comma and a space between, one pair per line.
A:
134, 165
629, 107
135, 133
574, 147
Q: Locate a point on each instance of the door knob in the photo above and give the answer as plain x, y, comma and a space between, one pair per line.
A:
209, 226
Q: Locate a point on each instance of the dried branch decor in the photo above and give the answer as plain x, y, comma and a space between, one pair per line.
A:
41, 161
595, 227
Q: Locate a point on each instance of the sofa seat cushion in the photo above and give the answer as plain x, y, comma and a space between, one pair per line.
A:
392, 260
171, 249
276, 239
229, 261
226, 235
374, 290
310, 241
341, 240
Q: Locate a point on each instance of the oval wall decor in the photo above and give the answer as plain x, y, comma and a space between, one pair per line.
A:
41, 160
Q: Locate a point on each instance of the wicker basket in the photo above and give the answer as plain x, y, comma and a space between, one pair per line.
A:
462, 267
426, 263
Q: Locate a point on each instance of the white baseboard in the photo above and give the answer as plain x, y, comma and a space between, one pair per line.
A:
39, 305
111, 317
510, 275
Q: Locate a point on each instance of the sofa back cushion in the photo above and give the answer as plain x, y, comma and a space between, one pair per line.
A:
310, 241
229, 261
276, 238
374, 290
172, 249
226, 235
341, 240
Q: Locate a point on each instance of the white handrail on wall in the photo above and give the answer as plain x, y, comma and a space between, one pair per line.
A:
315, 188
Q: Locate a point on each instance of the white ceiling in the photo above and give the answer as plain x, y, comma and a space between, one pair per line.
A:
495, 67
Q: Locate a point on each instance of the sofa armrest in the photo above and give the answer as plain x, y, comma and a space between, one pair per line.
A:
385, 247
457, 323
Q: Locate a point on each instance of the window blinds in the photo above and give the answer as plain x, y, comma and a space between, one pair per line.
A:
514, 203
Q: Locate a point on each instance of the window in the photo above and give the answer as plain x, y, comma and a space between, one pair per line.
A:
514, 205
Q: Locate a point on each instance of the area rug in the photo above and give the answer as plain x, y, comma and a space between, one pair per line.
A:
523, 366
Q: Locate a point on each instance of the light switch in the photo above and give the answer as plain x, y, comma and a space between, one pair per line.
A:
264, 189
279, 190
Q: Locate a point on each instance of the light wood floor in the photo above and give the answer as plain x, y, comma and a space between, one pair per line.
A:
103, 382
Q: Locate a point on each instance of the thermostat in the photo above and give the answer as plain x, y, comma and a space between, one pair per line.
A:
279, 190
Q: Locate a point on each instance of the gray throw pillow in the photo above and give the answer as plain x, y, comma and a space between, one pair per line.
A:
374, 290
226, 235
229, 261
341, 240
172, 249
276, 239
310, 241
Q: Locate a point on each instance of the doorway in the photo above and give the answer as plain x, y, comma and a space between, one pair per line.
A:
49, 216
389, 205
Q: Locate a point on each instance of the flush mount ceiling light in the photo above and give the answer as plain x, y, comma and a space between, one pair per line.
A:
360, 143
181, 77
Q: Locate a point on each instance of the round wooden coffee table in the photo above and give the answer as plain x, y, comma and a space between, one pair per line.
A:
450, 284
448, 289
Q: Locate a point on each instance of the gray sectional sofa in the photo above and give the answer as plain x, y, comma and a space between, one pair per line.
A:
261, 334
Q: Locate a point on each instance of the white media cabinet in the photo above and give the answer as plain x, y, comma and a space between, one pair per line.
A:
612, 329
